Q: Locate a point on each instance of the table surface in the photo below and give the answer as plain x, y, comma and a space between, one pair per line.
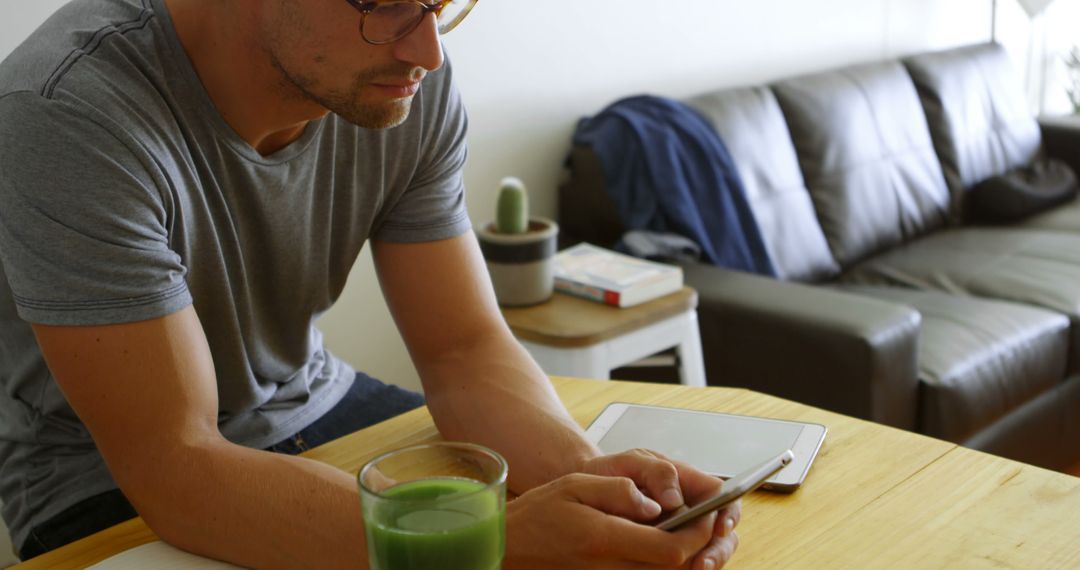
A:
568, 321
876, 497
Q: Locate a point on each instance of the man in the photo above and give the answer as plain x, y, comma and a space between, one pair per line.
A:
184, 186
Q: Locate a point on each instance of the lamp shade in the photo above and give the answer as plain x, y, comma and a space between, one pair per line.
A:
1034, 7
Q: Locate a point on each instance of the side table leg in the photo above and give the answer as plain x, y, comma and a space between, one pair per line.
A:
691, 360
584, 362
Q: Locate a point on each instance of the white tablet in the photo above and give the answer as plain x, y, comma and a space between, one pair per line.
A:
719, 444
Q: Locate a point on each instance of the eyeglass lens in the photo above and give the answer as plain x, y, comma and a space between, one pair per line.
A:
392, 20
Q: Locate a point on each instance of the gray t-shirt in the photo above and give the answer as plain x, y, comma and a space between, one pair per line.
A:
125, 196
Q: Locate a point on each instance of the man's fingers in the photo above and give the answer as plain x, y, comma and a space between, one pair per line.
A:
650, 471
696, 485
717, 553
617, 496
645, 544
729, 518
620, 536
660, 479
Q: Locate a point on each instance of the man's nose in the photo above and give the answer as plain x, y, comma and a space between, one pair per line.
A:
421, 47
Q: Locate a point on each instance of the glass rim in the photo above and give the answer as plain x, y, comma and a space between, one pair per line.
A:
448, 26
443, 27
500, 460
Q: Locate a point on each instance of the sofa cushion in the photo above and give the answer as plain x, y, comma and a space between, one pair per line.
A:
1038, 268
979, 118
1043, 432
1064, 218
979, 359
1022, 192
752, 127
866, 155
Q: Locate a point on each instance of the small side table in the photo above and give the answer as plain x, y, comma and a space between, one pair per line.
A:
569, 336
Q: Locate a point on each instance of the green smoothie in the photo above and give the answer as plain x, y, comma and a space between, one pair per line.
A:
436, 524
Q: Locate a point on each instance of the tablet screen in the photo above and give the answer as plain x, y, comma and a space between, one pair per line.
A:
715, 443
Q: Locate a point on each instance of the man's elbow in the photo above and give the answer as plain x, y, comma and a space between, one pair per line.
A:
168, 485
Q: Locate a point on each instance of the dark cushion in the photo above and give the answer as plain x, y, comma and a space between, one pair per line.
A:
979, 359
1037, 268
1061, 140
752, 127
978, 114
867, 157
1021, 192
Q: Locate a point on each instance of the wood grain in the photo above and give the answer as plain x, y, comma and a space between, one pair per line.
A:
965, 510
876, 497
858, 462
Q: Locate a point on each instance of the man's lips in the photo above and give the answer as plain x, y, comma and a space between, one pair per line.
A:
398, 90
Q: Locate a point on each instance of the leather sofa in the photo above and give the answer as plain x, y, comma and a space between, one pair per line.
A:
890, 305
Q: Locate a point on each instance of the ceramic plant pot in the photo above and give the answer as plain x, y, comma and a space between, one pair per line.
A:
521, 265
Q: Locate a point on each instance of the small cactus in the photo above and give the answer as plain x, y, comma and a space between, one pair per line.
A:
512, 208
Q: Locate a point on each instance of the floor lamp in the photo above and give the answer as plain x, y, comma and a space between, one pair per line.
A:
993, 21
1032, 7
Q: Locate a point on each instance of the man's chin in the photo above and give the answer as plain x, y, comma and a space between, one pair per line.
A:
381, 116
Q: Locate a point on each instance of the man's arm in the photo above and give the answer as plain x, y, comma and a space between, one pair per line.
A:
480, 384
147, 393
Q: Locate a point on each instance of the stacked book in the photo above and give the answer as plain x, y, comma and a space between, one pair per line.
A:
612, 278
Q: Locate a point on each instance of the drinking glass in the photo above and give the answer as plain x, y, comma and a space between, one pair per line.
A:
435, 506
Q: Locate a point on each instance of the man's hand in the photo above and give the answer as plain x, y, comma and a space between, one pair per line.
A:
671, 484
593, 522
482, 386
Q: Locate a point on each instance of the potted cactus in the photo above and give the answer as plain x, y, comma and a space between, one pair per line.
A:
518, 249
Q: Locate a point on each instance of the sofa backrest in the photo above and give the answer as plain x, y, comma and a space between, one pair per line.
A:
752, 126
867, 157
978, 114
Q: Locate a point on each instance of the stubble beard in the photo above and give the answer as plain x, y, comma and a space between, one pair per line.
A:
349, 104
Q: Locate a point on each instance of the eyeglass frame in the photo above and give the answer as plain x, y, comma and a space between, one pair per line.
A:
366, 7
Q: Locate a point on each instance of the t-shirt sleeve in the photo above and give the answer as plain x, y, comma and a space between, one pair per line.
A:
433, 206
83, 223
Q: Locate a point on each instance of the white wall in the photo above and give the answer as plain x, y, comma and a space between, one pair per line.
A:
529, 70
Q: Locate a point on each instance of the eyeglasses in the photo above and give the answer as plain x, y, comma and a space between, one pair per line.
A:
389, 21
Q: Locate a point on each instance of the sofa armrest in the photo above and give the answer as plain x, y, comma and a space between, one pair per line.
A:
1061, 139
840, 351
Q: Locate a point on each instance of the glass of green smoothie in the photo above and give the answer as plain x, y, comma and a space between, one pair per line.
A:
435, 506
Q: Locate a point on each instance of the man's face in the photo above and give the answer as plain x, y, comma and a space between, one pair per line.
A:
317, 48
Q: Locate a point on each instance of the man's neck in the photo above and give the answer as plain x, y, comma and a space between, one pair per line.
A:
252, 96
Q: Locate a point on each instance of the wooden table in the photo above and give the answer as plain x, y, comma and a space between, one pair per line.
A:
876, 497
569, 336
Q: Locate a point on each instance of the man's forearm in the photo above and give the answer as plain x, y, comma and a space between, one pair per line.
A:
497, 396
255, 508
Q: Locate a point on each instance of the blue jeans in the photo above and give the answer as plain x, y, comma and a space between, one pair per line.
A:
367, 403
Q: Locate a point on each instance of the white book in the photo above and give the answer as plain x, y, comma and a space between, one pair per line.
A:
613, 278
160, 556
